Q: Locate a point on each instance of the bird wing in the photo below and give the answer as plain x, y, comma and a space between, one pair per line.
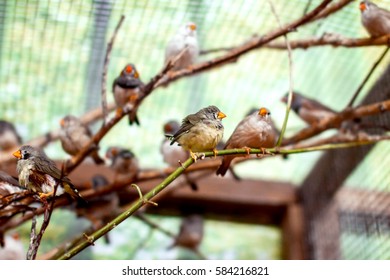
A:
312, 104
47, 166
187, 123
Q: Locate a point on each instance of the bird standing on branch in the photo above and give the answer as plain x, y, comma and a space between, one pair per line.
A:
375, 20
40, 175
75, 135
127, 90
200, 132
184, 38
254, 131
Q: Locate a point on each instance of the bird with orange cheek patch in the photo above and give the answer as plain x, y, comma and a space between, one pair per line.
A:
127, 90
184, 38
40, 175
375, 20
254, 131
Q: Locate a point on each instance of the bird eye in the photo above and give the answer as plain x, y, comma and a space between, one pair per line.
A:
25, 154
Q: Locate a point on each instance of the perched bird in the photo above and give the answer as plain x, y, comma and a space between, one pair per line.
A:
75, 135
254, 131
13, 248
8, 184
191, 233
101, 209
200, 132
123, 162
127, 89
185, 37
9, 137
173, 155
374, 19
40, 175
309, 110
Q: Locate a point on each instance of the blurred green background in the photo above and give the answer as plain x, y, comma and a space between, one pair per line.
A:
51, 64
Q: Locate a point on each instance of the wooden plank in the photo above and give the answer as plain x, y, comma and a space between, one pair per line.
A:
293, 233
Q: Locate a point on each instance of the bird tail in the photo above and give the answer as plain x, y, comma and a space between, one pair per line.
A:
73, 192
133, 118
223, 168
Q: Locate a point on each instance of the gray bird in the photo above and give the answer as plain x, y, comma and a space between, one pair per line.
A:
127, 89
375, 20
9, 137
309, 110
8, 184
200, 132
191, 233
123, 162
102, 209
185, 37
75, 135
254, 131
40, 175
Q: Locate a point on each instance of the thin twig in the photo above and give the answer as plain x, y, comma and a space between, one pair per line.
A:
362, 84
290, 76
105, 68
31, 247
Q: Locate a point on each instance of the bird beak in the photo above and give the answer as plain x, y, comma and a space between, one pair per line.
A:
284, 99
17, 154
62, 122
221, 115
193, 27
362, 6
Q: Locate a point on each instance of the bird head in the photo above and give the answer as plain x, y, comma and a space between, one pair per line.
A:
68, 121
171, 127
25, 152
130, 70
264, 113
366, 6
190, 29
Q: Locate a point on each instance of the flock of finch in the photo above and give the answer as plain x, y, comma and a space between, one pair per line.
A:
197, 133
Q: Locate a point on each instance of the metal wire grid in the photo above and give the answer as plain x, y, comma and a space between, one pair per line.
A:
46, 53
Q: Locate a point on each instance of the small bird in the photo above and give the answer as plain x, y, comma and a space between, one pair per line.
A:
185, 37
191, 233
8, 184
200, 132
75, 135
9, 137
100, 210
254, 131
40, 175
309, 110
375, 20
127, 89
123, 162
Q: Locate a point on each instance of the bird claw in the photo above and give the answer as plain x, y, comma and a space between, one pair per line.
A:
215, 152
44, 196
119, 112
248, 151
